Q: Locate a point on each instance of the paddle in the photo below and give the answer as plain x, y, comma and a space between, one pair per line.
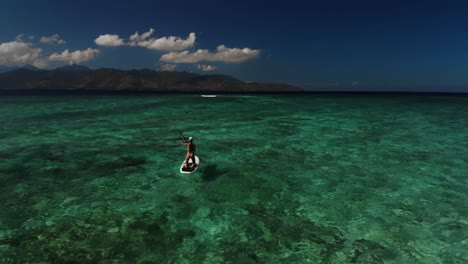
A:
183, 137
185, 140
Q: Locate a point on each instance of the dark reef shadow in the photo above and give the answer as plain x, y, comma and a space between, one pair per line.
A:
211, 173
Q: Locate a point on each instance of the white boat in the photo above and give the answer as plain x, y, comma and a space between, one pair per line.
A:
208, 95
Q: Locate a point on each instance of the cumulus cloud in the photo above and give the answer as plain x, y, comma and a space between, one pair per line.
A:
135, 38
169, 43
77, 56
223, 53
204, 67
19, 52
168, 67
54, 39
19, 38
180, 49
109, 40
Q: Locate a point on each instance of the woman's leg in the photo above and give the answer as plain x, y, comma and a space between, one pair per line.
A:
193, 160
187, 157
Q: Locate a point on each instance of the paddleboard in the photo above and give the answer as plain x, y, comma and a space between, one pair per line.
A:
186, 170
208, 95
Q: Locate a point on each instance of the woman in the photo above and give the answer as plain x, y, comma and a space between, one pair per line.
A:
190, 153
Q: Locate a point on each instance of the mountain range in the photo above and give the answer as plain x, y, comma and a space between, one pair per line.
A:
4, 68
77, 77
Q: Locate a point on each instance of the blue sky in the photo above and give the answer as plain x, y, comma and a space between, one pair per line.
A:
318, 44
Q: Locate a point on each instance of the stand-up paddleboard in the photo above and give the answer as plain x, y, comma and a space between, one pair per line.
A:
188, 170
208, 95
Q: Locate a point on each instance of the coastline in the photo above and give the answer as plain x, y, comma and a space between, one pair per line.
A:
168, 92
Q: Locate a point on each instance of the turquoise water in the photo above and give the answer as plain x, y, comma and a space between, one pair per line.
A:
284, 179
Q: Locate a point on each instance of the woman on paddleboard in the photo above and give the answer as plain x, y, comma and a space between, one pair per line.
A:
190, 152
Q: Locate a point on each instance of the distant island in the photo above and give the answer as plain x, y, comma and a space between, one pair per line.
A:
77, 77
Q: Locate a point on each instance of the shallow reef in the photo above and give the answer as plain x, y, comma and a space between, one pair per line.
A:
283, 179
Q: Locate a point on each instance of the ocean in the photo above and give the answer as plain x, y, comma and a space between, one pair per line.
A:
283, 179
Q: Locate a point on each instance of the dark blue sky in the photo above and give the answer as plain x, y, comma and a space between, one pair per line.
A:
321, 44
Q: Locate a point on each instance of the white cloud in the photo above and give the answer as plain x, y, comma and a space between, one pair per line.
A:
19, 38
224, 54
135, 38
77, 56
204, 67
109, 40
54, 39
178, 49
165, 43
19, 52
171, 43
168, 67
